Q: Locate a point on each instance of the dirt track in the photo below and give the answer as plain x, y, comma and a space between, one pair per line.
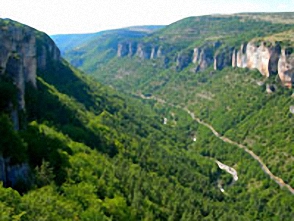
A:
278, 180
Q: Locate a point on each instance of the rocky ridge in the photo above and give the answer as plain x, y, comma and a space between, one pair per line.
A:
268, 58
23, 51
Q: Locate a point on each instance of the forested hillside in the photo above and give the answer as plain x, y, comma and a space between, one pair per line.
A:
242, 105
73, 149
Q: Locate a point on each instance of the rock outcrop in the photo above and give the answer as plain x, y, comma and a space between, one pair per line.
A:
132, 49
203, 58
11, 175
291, 109
183, 60
154, 52
223, 58
144, 51
18, 57
122, 49
286, 67
23, 50
269, 59
254, 56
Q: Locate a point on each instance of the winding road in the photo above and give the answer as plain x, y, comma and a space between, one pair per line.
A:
278, 180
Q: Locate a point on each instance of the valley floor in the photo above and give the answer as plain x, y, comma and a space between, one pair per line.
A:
263, 166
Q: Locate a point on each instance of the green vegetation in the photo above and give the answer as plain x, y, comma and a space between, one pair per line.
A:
94, 55
95, 153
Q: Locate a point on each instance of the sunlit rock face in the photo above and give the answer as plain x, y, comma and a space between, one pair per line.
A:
203, 58
154, 52
241, 57
268, 58
263, 58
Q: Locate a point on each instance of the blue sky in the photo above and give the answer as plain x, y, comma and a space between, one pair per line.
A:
77, 16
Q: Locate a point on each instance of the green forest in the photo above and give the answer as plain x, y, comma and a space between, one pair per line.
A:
95, 152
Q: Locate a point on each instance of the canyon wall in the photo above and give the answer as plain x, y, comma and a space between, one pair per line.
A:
23, 50
286, 67
269, 59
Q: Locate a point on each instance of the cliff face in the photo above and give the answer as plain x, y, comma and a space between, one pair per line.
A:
18, 57
22, 52
202, 58
223, 58
286, 67
143, 51
269, 60
263, 58
183, 60
10, 175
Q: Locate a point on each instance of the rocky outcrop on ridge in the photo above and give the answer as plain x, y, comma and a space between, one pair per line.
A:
261, 57
202, 58
269, 59
141, 50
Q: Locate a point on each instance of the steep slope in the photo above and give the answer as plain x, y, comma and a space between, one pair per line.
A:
101, 45
67, 42
87, 153
230, 71
82, 137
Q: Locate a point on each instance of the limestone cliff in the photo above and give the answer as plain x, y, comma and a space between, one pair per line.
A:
183, 60
286, 67
258, 56
202, 58
268, 58
23, 50
123, 49
223, 58
144, 51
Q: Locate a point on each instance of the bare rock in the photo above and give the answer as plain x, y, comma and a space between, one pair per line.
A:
203, 57
10, 175
183, 60
223, 58
144, 51
286, 67
270, 88
23, 50
122, 49
154, 53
